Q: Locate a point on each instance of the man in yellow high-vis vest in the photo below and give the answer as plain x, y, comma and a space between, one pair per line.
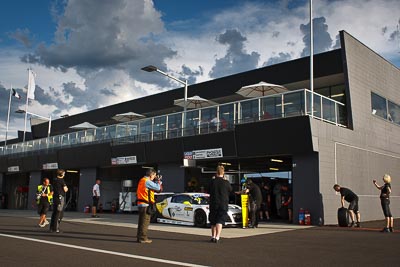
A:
44, 198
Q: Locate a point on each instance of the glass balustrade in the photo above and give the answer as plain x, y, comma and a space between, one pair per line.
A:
197, 121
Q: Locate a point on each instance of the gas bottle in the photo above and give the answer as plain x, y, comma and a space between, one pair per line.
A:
307, 218
86, 209
301, 216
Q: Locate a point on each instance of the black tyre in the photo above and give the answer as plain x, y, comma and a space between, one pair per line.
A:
200, 218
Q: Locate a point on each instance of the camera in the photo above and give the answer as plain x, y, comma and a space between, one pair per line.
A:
158, 178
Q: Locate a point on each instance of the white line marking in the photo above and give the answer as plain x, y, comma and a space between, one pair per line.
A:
105, 251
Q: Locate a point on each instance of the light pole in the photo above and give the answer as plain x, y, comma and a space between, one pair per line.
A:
152, 68
39, 116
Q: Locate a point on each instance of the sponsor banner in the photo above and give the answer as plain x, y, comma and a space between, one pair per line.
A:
50, 166
188, 155
208, 153
124, 160
13, 169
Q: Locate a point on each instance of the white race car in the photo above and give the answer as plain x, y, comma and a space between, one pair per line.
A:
192, 209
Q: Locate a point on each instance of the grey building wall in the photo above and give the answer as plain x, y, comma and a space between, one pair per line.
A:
354, 157
86, 182
34, 180
306, 195
173, 177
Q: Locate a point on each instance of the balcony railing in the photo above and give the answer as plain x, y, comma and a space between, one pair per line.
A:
207, 120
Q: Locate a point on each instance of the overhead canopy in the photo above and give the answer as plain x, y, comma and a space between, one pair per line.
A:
261, 89
83, 126
194, 102
129, 116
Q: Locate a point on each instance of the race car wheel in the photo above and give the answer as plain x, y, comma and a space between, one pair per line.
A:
200, 219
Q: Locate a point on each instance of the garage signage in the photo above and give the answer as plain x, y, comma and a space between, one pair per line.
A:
124, 160
188, 155
208, 153
13, 169
50, 166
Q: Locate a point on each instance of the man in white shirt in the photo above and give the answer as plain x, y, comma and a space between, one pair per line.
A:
96, 197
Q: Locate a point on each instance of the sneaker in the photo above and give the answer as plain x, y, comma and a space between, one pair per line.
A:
146, 241
352, 224
212, 240
391, 229
42, 225
358, 225
217, 240
46, 222
385, 230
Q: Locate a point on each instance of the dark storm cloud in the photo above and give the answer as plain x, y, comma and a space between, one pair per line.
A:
322, 39
395, 35
22, 36
15, 103
191, 74
275, 34
107, 92
337, 42
281, 57
236, 59
42, 97
118, 34
81, 98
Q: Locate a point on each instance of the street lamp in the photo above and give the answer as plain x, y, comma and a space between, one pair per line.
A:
39, 116
152, 68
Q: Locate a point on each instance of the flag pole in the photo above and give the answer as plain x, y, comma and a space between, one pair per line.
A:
8, 117
26, 105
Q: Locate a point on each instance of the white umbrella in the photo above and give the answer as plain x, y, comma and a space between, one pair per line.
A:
194, 102
83, 126
261, 89
129, 116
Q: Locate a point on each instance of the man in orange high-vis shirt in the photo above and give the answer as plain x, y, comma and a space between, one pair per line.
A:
145, 197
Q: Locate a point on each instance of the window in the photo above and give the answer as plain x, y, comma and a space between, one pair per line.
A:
394, 113
249, 110
378, 106
180, 199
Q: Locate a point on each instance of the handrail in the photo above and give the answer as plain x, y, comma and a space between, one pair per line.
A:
221, 117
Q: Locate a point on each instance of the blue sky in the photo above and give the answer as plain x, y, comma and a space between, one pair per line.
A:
88, 54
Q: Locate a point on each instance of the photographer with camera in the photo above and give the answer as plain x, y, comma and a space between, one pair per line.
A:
146, 203
44, 197
60, 188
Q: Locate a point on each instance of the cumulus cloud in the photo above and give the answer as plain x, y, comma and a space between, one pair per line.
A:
191, 74
22, 36
281, 57
102, 36
236, 58
322, 38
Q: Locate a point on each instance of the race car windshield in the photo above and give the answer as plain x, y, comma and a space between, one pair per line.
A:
199, 200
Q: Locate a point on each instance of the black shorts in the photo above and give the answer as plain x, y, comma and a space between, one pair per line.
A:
43, 207
218, 216
385, 207
354, 206
95, 201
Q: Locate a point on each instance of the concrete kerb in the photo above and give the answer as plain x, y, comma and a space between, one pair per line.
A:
130, 221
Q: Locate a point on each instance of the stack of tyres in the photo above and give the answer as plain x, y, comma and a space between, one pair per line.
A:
343, 217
